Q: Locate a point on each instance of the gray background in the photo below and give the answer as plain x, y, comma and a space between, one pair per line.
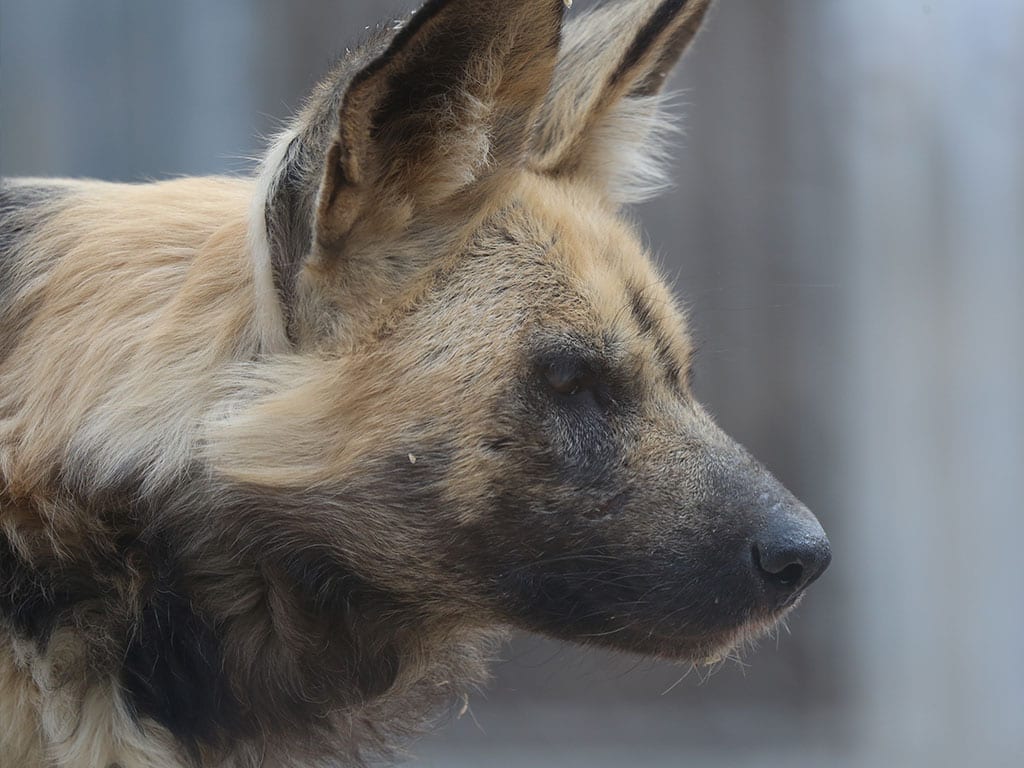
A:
848, 229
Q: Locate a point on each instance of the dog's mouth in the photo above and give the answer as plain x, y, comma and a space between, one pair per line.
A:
670, 636
699, 609
733, 644
702, 649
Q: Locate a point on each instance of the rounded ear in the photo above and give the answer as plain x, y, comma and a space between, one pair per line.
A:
423, 109
456, 93
601, 119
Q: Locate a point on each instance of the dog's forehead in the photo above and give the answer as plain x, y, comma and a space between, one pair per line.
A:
567, 242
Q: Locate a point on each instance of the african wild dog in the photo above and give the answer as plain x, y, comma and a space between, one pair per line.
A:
282, 457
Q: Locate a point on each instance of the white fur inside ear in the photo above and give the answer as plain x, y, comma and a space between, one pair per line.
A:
630, 151
463, 151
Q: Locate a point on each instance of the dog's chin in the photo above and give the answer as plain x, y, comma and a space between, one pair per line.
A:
695, 647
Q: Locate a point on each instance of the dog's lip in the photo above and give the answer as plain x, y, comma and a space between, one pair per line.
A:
785, 605
711, 647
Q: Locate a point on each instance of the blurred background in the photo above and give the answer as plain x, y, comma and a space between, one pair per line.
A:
847, 228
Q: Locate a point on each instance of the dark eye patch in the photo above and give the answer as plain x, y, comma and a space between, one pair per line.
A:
574, 371
568, 375
580, 399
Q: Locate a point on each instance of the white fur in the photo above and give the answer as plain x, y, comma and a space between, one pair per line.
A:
631, 149
51, 717
269, 315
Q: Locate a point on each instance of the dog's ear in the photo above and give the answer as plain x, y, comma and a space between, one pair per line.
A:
455, 94
600, 122
424, 109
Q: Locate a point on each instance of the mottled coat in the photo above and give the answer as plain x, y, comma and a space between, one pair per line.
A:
282, 457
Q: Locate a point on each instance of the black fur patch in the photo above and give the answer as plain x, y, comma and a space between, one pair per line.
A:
14, 200
440, 60
289, 217
577, 594
349, 654
16, 220
33, 599
580, 433
346, 603
173, 671
648, 37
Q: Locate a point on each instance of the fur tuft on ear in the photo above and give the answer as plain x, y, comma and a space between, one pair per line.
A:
630, 152
603, 121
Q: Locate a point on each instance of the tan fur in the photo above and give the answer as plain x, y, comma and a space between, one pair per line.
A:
182, 310
595, 256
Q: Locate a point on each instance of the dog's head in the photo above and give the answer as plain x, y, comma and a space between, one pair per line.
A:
488, 384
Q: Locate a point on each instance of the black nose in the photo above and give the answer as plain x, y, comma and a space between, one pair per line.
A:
792, 553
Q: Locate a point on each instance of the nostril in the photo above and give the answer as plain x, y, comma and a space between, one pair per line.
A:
790, 575
782, 571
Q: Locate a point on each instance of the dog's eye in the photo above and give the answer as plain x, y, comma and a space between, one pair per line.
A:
566, 377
